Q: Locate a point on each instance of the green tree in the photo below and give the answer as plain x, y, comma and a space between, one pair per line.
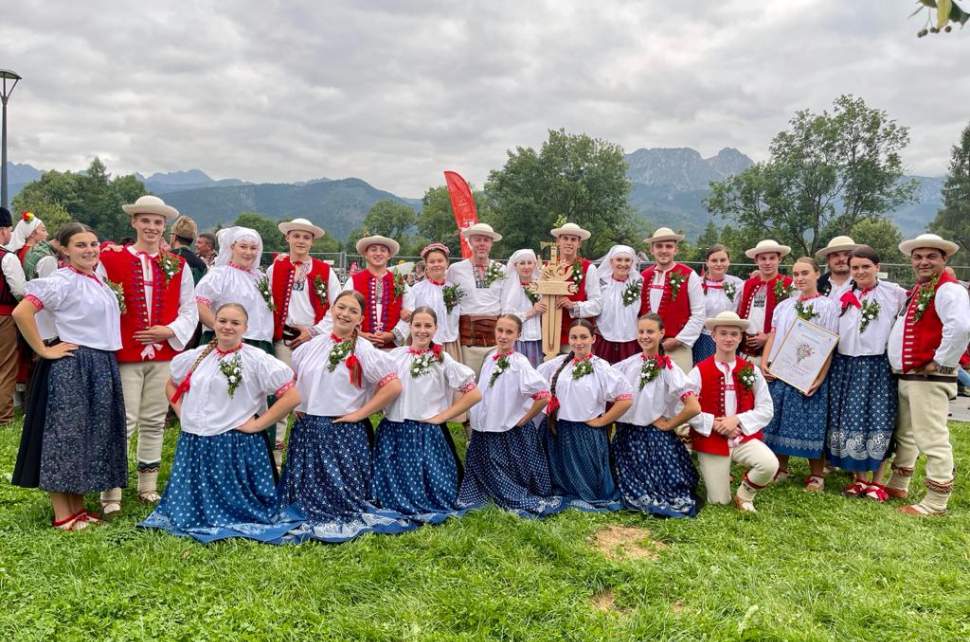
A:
574, 177
436, 220
391, 219
54, 215
953, 219
826, 173
882, 235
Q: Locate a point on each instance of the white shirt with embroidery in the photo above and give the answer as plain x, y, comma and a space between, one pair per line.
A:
617, 321
826, 314
873, 340
514, 391
429, 393
758, 309
300, 312
717, 300
431, 294
45, 322
836, 291
661, 397
953, 307
230, 284
750, 421
477, 301
83, 307
585, 398
516, 301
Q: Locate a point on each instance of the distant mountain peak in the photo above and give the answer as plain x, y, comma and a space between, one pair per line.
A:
683, 169
182, 177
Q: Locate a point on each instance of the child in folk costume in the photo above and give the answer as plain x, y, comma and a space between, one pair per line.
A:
222, 483
722, 291
762, 292
75, 442
654, 471
416, 466
342, 380
437, 293
862, 391
735, 407
158, 319
577, 421
506, 459
620, 290
799, 425
520, 298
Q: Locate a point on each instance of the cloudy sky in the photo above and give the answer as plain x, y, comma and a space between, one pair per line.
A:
395, 92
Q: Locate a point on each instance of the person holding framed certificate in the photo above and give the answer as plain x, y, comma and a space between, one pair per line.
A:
796, 361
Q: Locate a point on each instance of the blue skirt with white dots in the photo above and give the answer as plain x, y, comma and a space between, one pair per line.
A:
654, 471
799, 424
579, 464
415, 471
327, 475
862, 412
222, 486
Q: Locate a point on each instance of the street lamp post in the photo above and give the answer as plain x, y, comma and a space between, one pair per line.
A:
5, 75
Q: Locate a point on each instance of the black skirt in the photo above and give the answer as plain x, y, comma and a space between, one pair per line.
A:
26, 472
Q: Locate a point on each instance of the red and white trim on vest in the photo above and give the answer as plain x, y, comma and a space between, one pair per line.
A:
674, 312
922, 338
284, 272
7, 300
366, 284
747, 295
578, 297
713, 387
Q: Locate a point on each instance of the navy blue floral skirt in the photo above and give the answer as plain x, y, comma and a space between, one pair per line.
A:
222, 486
511, 469
84, 443
415, 471
863, 405
654, 471
703, 348
799, 425
579, 465
327, 475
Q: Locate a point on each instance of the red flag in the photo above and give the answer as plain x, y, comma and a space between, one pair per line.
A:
463, 206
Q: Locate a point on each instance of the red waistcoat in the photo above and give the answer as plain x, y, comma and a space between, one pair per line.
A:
365, 283
124, 268
579, 296
282, 288
674, 312
747, 295
922, 338
712, 401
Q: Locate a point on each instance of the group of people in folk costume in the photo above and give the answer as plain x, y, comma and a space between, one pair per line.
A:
656, 364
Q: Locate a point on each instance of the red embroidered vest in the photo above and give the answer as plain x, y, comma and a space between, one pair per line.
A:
922, 338
674, 312
579, 296
365, 283
7, 300
747, 296
282, 289
124, 268
712, 401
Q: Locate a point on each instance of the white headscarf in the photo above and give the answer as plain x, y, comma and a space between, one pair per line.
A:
21, 232
228, 236
605, 269
517, 256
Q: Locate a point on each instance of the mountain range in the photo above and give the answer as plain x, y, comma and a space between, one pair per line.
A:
669, 186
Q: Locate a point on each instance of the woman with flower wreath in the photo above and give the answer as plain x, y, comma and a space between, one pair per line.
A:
620, 289
441, 295
416, 466
799, 425
342, 379
520, 298
654, 471
862, 390
222, 483
506, 459
577, 421
722, 291
73, 440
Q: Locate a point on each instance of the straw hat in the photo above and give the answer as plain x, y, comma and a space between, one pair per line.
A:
184, 227
300, 224
377, 239
949, 248
481, 229
767, 245
663, 234
726, 318
149, 204
570, 228
837, 244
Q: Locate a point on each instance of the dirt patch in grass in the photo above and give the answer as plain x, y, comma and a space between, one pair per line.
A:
604, 601
627, 543
677, 607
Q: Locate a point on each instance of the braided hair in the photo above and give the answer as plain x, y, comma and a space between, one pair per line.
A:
551, 416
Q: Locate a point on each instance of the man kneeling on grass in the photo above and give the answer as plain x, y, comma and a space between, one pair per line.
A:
735, 406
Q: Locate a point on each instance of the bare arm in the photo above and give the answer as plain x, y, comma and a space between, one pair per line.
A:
24, 316
283, 406
462, 404
381, 399
692, 407
205, 315
537, 406
620, 406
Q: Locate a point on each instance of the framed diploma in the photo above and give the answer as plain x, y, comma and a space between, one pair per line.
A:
802, 354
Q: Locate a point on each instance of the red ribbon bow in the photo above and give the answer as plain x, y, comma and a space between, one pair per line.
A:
356, 372
499, 355
182, 388
436, 282
663, 361
849, 298
552, 406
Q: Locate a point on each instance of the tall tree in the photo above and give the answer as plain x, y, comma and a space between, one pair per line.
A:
953, 219
826, 173
391, 219
572, 177
436, 220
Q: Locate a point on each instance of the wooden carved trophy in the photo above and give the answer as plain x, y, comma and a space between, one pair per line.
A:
553, 285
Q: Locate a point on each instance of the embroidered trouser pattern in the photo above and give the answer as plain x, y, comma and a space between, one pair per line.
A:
716, 469
921, 428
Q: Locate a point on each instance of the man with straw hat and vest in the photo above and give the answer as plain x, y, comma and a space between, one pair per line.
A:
586, 302
158, 318
925, 344
676, 293
762, 292
836, 281
12, 282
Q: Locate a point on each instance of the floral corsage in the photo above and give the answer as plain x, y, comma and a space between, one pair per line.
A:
232, 369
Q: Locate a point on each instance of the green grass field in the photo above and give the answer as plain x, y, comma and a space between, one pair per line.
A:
805, 568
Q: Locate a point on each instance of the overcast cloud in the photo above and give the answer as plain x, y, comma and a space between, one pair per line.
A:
396, 92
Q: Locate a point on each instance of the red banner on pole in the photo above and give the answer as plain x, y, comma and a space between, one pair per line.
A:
463, 206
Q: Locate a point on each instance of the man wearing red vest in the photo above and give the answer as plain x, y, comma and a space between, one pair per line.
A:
735, 407
762, 292
158, 318
676, 293
12, 282
925, 344
587, 301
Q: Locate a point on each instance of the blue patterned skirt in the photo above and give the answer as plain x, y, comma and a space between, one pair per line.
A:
222, 486
415, 471
579, 465
799, 425
863, 404
511, 469
84, 443
327, 475
703, 348
532, 351
654, 471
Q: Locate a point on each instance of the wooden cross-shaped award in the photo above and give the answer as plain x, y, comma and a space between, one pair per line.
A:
553, 285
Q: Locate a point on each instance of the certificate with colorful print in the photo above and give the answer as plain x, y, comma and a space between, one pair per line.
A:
802, 354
